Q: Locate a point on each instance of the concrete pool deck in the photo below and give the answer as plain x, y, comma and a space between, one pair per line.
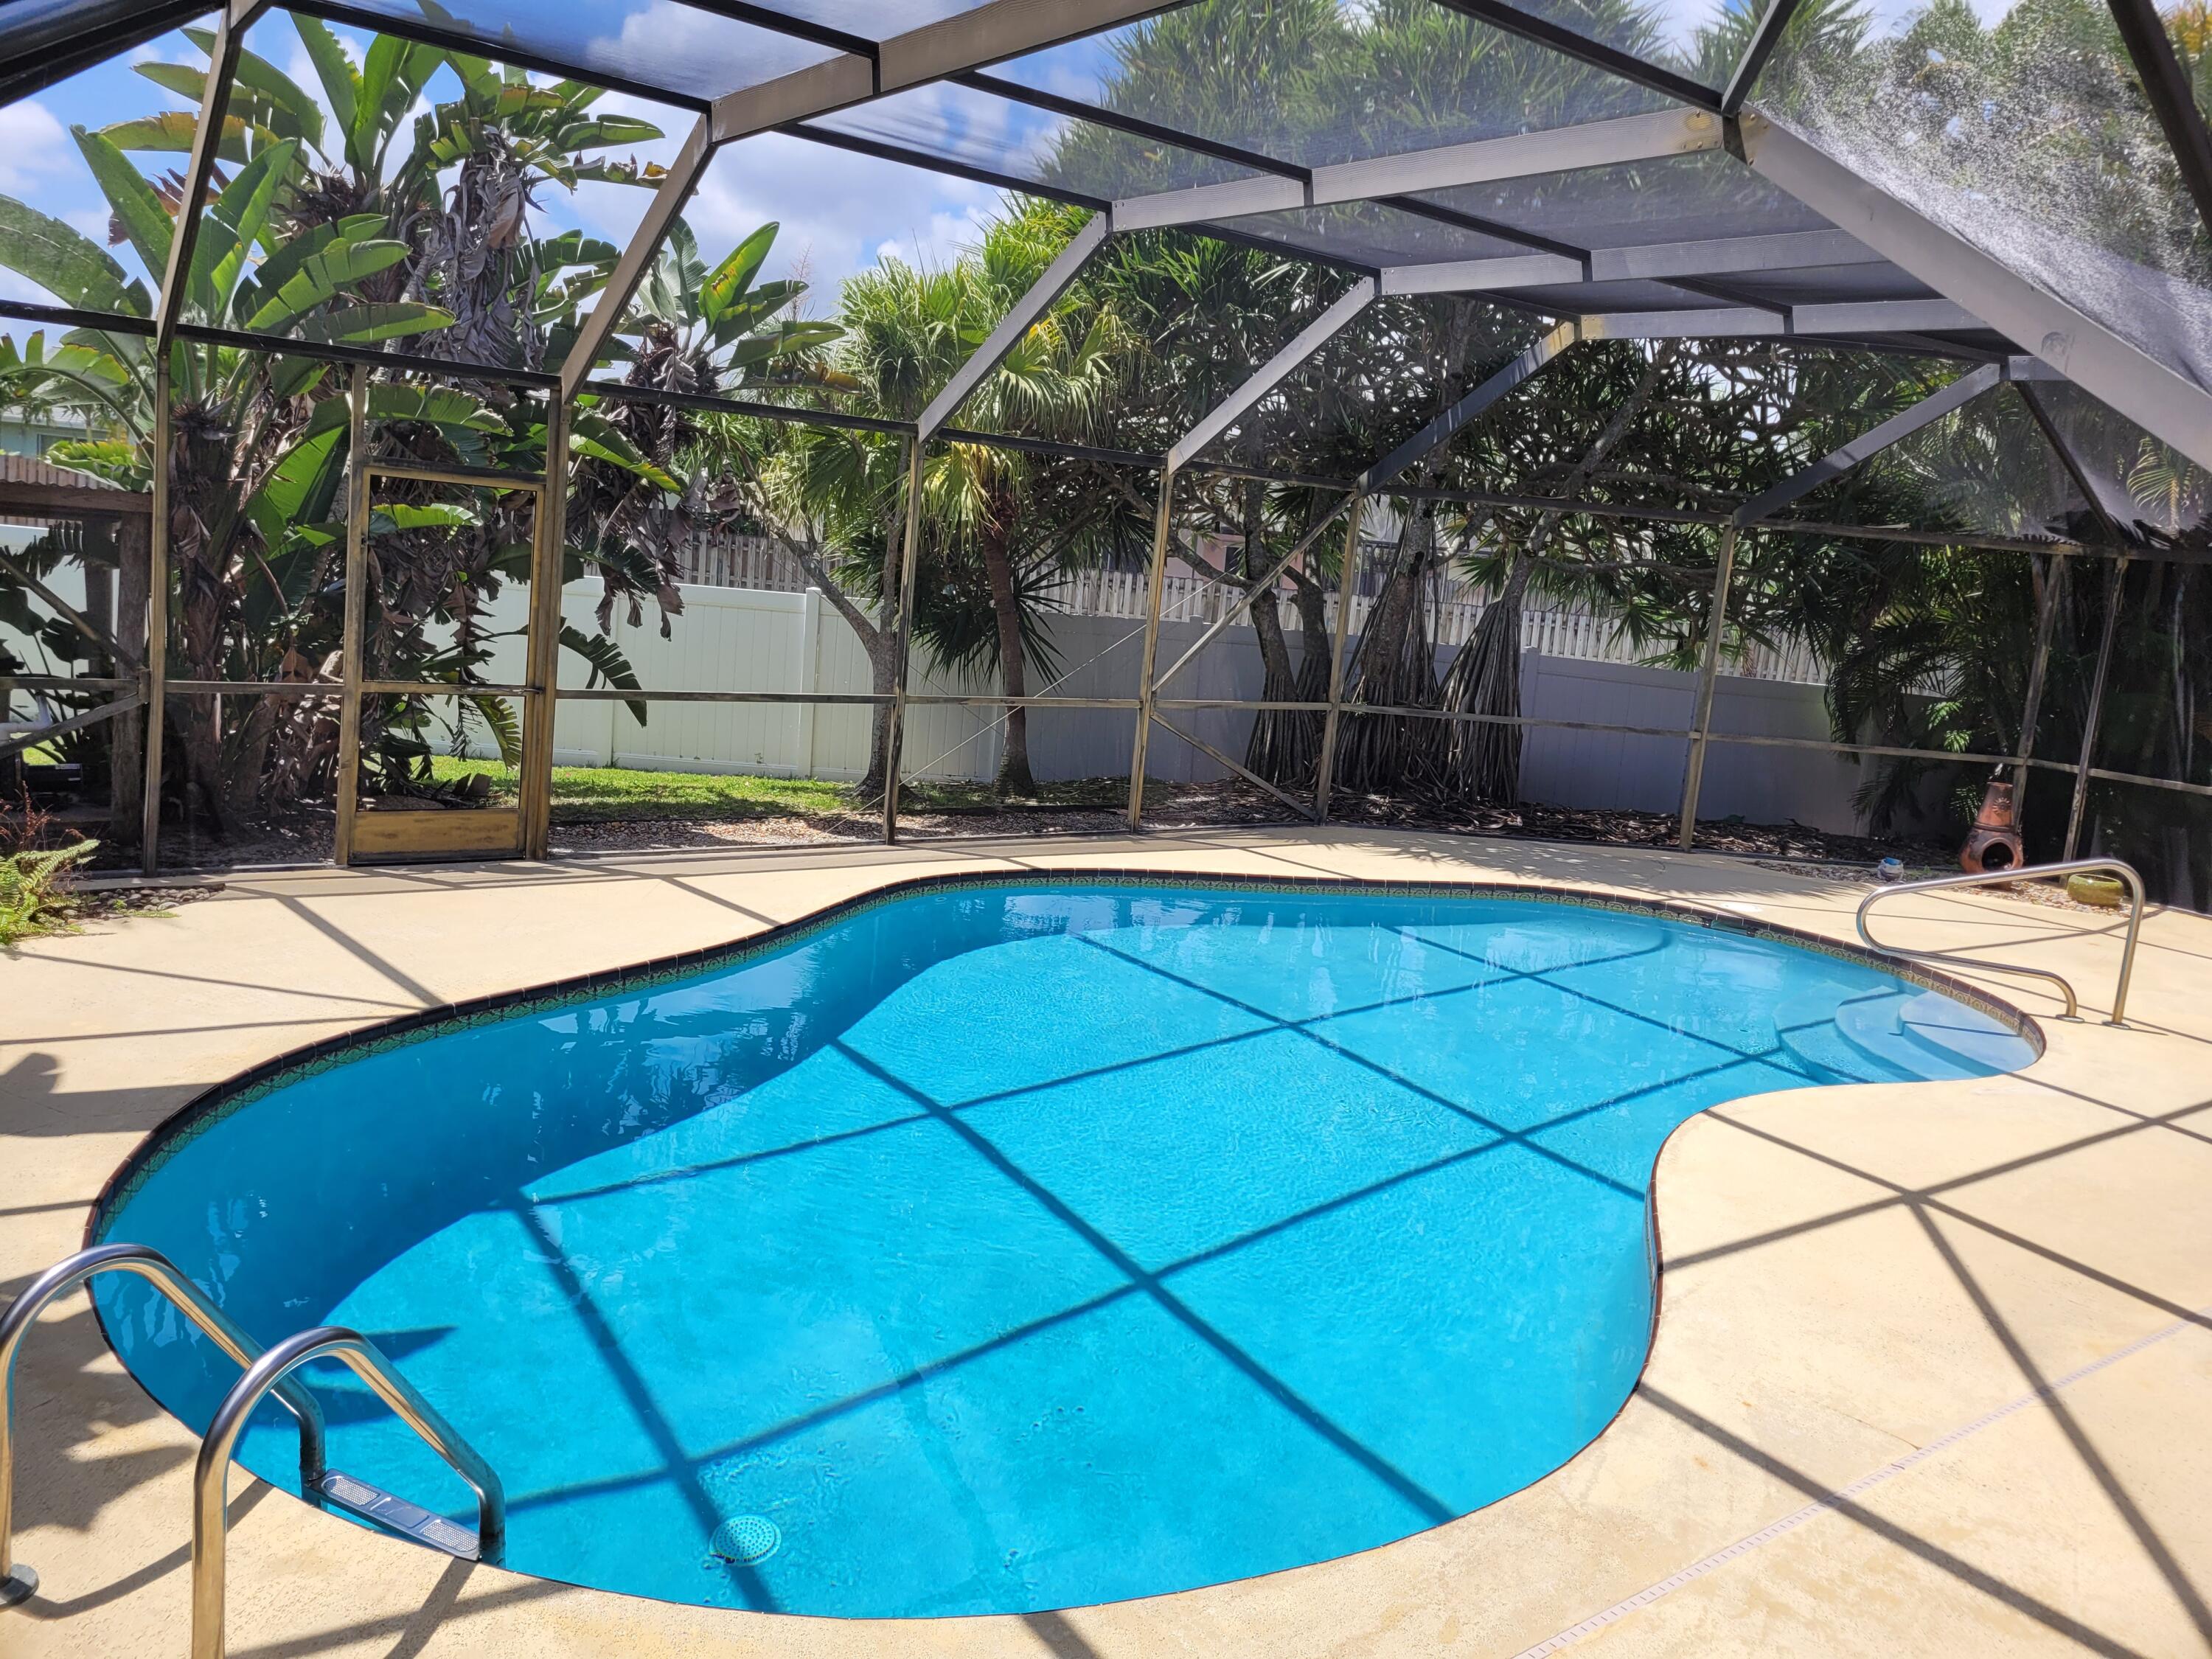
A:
1933, 1369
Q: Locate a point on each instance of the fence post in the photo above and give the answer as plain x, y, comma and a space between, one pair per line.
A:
2116, 586
356, 604
809, 676
1709, 671
157, 622
908, 556
2031, 708
1163, 533
1347, 590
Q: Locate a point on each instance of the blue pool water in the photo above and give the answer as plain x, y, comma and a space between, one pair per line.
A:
1010, 1247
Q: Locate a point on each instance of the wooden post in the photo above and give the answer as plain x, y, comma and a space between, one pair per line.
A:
1347, 593
1709, 671
910, 560
549, 560
356, 608
126, 802
1163, 533
2045, 613
2116, 586
156, 676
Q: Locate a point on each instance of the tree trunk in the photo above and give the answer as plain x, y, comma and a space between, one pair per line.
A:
1283, 742
126, 754
879, 640
1396, 667
1014, 778
1481, 760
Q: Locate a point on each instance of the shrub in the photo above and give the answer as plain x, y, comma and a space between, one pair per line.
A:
34, 896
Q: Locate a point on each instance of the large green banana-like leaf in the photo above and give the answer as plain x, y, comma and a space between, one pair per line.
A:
505, 725
75, 376
392, 74
64, 261
785, 340
605, 131
359, 324
268, 87
462, 419
730, 279
112, 460
234, 222
608, 664
334, 69
593, 434
300, 488
321, 278
173, 130
396, 517
137, 207
294, 251
749, 310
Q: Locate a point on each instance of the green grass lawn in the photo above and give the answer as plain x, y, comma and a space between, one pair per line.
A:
586, 792
616, 792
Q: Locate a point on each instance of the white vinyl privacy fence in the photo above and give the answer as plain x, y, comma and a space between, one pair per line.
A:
759, 639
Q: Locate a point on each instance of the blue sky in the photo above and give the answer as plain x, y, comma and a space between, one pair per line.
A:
839, 212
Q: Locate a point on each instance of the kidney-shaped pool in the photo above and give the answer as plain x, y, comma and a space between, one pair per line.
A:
1000, 1246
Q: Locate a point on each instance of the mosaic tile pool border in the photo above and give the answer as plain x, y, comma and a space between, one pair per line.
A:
218, 1101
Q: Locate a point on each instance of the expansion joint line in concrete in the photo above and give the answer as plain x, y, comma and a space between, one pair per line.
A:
1845, 1495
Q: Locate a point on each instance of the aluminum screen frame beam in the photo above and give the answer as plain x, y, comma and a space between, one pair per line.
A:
1058, 276
2171, 99
967, 40
1470, 407
1485, 160
683, 175
1764, 37
1623, 65
1362, 294
1863, 448
238, 17
2100, 362
1726, 256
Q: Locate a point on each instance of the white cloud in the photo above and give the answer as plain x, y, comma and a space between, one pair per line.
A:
32, 145
839, 212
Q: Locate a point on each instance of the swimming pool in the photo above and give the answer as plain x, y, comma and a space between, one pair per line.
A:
1005, 1245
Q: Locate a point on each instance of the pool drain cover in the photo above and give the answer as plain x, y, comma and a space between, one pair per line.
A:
746, 1539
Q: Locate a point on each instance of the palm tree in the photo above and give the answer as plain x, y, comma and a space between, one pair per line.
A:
906, 331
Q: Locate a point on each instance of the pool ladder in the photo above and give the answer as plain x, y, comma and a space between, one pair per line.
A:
2023, 873
266, 1372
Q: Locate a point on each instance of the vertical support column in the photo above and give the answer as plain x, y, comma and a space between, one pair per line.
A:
127, 758
1693, 777
1147, 693
155, 679
910, 559
2116, 587
810, 677
1347, 594
356, 611
2046, 613
549, 560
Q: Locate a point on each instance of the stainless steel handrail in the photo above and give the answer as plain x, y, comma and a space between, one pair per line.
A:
2024, 872
18, 1583
210, 1478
